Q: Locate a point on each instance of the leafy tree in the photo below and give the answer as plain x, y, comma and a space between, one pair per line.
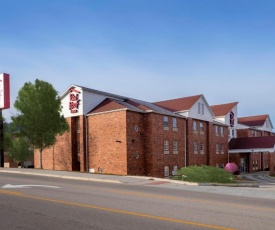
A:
20, 150
39, 118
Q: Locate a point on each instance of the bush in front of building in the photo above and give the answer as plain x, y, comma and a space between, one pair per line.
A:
204, 174
231, 168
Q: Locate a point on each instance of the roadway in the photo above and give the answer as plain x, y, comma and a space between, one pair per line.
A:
33, 202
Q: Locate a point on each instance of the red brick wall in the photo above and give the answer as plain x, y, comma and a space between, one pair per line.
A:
209, 140
154, 136
271, 164
135, 143
108, 143
58, 156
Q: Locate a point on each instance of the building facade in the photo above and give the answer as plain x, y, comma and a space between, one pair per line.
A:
114, 134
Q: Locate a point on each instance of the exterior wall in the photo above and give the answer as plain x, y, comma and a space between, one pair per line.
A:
155, 134
209, 139
91, 100
255, 161
135, 143
232, 123
271, 157
201, 114
218, 148
65, 103
9, 163
197, 157
108, 142
252, 133
58, 156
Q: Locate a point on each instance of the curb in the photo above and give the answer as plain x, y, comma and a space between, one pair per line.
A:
64, 177
140, 177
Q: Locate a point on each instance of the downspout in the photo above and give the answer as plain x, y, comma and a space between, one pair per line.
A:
185, 132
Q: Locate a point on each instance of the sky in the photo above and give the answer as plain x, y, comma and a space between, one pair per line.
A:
151, 50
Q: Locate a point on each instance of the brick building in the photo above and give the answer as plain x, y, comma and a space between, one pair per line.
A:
113, 134
251, 140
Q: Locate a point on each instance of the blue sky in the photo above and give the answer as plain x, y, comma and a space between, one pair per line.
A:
146, 49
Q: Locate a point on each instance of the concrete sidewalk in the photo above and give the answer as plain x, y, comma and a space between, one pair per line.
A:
138, 180
91, 177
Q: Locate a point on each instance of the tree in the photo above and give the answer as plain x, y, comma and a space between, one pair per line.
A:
39, 118
20, 149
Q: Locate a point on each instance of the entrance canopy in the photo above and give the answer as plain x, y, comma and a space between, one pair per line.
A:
252, 144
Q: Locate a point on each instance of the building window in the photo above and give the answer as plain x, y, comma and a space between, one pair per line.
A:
201, 127
175, 170
233, 133
194, 126
222, 149
202, 108
165, 123
166, 147
217, 130
202, 148
221, 131
195, 147
217, 148
175, 147
166, 171
199, 108
175, 124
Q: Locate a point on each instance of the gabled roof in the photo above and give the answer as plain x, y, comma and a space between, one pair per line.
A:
179, 104
110, 95
249, 143
253, 120
223, 109
112, 105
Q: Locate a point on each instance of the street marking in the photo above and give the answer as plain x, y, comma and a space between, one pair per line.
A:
10, 192
27, 186
121, 211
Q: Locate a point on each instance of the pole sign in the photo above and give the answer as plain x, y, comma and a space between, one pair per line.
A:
4, 91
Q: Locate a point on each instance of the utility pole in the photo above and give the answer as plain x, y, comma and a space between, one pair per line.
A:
1, 140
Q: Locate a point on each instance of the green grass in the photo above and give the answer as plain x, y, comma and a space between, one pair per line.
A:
204, 174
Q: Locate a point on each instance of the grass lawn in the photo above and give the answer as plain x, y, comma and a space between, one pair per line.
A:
204, 174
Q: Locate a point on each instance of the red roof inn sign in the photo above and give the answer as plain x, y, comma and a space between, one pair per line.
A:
74, 100
4, 91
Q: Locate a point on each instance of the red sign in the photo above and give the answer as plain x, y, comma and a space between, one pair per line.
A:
232, 119
74, 100
4, 91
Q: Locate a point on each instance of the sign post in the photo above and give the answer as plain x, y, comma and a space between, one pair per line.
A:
4, 104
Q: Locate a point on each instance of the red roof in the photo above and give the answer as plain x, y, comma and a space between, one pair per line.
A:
179, 104
252, 142
107, 105
253, 120
223, 109
138, 105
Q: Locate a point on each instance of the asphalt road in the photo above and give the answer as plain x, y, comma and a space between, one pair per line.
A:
32, 202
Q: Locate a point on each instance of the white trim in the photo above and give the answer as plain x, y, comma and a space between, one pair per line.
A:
252, 150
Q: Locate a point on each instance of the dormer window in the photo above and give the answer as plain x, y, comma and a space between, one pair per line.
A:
199, 108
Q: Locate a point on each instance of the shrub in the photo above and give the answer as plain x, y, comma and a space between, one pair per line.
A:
231, 167
204, 174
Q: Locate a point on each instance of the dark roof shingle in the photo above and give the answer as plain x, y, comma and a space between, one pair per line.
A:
252, 142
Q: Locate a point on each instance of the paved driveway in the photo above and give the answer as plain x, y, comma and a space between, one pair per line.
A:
260, 177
